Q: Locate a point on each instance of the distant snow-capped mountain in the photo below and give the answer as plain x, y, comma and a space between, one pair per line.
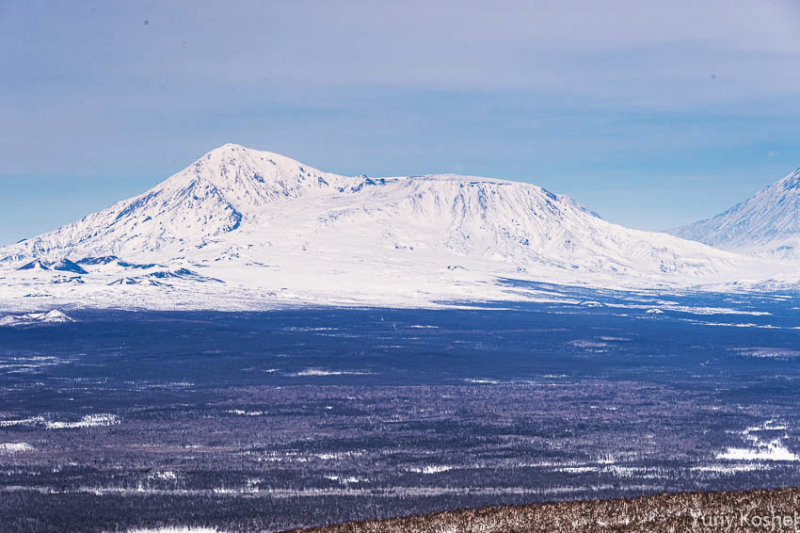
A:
255, 227
767, 223
31, 319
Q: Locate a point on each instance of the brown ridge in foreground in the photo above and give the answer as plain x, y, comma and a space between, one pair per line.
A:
754, 510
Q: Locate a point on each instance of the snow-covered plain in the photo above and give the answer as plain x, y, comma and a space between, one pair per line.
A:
761, 449
15, 447
246, 229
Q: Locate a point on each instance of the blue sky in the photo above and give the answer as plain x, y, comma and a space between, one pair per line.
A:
652, 115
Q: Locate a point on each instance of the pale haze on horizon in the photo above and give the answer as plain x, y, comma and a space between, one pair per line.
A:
652, 115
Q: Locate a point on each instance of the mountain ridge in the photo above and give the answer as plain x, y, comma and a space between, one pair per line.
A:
270, 228
767, 223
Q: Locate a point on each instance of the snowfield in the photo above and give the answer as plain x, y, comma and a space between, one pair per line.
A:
761, 449
246, 229
88, 421
14, 447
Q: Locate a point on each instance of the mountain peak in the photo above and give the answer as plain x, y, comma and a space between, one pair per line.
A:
262, 220
767, 223
231, 153
246, 178
792, 181
233, 149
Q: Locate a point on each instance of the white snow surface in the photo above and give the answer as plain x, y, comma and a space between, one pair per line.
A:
766, 224
761, 449
247, 229
88, 421
28, 319
772, 451
14, 447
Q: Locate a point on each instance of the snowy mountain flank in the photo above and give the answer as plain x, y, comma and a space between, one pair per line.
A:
242, 228
766, 224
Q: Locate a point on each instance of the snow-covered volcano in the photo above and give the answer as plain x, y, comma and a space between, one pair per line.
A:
767, 223
256, 228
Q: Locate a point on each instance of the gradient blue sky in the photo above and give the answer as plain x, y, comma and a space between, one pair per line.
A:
654, 114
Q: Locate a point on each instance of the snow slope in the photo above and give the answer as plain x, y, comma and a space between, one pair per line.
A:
766, 224
250, 229
51, 317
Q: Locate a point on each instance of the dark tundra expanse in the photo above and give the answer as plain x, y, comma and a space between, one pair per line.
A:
273, 420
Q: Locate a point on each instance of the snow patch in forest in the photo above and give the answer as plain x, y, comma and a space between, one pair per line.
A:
87, 421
